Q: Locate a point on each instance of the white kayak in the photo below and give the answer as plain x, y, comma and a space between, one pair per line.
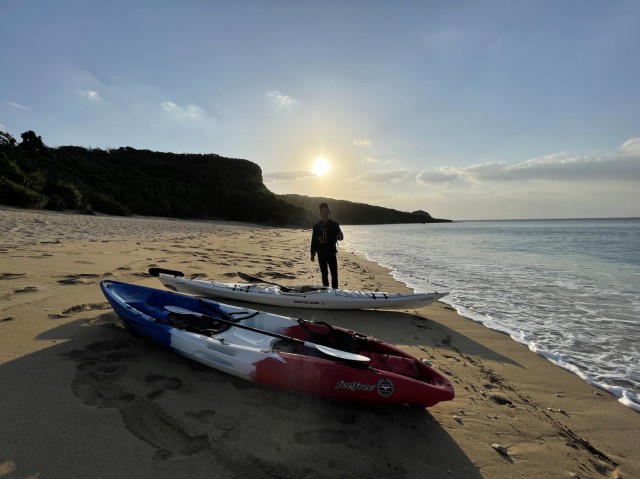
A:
306, 296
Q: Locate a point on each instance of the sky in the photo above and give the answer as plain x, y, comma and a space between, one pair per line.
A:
478, 109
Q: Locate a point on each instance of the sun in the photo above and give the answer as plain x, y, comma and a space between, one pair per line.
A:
321, 166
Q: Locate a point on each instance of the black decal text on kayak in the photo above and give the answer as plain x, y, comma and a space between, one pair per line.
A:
355, 386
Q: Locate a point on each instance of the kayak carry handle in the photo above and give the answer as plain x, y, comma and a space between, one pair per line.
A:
155, 272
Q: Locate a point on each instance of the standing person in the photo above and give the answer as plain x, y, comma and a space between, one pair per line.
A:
326, 233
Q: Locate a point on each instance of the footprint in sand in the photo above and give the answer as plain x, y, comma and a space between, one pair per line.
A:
65, 313
219, 421
165, 382
502, 401
27, 289
98, 382
81, 278
11, 275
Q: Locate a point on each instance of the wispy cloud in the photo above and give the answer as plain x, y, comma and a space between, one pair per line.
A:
363, 142
631, 147
288, 175
182, 113
17, 105
280, 100
90, 94
392, 176
623, 165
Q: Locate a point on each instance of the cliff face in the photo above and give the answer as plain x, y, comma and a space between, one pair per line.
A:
127, 181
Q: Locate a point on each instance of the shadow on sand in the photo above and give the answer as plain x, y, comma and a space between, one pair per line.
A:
101, 402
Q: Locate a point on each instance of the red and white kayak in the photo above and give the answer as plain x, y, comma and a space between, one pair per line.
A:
301, 296
295, 355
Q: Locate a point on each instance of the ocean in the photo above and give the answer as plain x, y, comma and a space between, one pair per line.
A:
568, 289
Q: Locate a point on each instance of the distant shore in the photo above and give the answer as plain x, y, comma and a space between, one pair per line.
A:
94, 401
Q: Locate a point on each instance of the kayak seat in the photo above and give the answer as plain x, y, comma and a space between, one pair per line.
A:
286, 346
336, 339
200, 325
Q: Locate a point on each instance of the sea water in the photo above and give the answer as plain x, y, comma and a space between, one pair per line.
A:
569, 289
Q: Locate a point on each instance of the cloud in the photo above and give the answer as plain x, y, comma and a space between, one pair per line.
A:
90, 94
441, 175
623, 165
393, 176
559, 168
188, 112
280, 100
631, 147
289, 175
362, 142
17, 105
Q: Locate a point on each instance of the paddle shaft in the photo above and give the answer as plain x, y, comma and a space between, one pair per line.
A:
325, 349
285, 289
253, 279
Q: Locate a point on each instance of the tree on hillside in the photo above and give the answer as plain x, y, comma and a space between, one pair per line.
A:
31, 141
6, 139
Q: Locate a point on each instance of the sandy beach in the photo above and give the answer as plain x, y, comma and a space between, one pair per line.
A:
82, 397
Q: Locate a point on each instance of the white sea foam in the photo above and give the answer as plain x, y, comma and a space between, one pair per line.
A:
568, 289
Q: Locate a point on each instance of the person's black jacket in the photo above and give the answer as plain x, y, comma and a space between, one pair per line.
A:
325, 236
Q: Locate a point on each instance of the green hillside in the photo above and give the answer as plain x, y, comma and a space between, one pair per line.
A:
127, 181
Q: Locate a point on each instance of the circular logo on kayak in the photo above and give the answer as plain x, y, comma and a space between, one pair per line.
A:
385, 387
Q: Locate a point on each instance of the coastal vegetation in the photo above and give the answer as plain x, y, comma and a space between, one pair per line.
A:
128, 181
360, 213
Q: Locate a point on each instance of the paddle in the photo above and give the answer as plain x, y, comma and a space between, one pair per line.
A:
253, 279
336, 353
302, 289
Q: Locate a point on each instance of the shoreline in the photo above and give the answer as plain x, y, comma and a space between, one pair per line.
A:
571, 311
67, 371
618, 392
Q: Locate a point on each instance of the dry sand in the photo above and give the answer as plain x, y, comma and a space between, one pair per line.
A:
81, 397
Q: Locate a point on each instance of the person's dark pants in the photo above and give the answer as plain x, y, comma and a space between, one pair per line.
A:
329, 262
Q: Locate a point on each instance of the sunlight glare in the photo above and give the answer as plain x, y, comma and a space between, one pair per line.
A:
321, 166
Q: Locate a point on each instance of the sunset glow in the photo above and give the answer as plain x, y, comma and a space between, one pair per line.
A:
321, 166
389, 121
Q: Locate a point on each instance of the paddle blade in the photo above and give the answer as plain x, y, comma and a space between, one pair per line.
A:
248, 278
337, 353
